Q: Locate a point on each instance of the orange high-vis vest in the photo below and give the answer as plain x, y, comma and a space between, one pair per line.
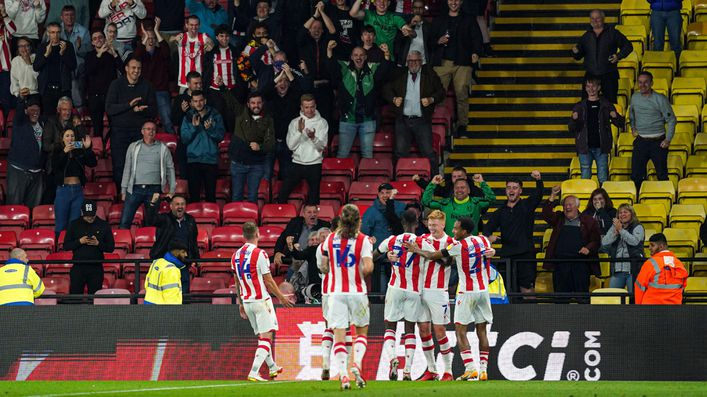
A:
661, 280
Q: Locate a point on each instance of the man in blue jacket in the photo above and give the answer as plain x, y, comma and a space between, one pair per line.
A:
202, 130
378, 222
25, 171
666, 13
210, 13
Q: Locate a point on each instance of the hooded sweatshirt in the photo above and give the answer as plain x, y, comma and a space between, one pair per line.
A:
307, 151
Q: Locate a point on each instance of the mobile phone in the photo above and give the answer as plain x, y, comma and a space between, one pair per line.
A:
78, 144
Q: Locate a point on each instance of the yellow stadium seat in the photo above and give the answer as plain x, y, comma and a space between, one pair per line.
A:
693, 191
704, 118
598, 299
696, 165
581, 188
635, 12
676, 169
661, 84
543, 283
688, 91
693, 63
697, 34
681, 145
662, 192
696, 284
620, 168
546, 238
652, 216
625, 91
687, 216
576, 169
624, 145
620, 191
701, 10
687, 114
699, 267
660, 60
637, 35
628, 67
604, 265
687, 239
700, 145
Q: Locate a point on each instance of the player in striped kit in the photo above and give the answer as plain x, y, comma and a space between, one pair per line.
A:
435, 301
346, 260
473, 304
252, 268
7, 29
403, 299
191, 48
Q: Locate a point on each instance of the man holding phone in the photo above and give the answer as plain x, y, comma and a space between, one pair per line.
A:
88, 237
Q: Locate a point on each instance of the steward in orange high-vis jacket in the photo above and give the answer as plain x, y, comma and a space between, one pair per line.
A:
662, 278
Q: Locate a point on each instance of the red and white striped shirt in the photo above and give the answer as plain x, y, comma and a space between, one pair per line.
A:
224, 66
345, 258
250, 263
7, 28
474, 269
437, 275
406, 273
191, 52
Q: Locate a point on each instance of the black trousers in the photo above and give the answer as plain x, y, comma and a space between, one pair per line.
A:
525, 272
644, 150
198, 175
407, 129
311, 173
82, 275
571, 277
97, 107
609, 85
50, 98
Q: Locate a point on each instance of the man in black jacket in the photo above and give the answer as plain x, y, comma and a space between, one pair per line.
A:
456, 42
88, 237
598, 46
175, 225
299, 228
516, 219
25, 171
283, 103
55, 61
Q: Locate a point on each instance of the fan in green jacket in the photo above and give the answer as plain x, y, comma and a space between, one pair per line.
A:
461, 204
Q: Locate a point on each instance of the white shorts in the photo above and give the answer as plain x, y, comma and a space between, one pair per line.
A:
261, 315
435, 307
473, 307
346, 310
325, 307
402, 305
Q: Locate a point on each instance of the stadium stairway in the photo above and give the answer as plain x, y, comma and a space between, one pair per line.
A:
519, 108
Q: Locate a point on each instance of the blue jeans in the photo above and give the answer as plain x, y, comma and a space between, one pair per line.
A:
284, 157
602, 159
246, 173
347, 135
142, 194
673, 21
163, 109
622, 280
67, 205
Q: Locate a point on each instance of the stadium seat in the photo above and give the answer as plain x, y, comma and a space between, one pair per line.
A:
697, 31
37, 240
46, 299
52, 269
298, 195
693, 191
620, 191
123, 241
108, 300
688, 91
624, 145
205, 285
14, 218
277, 214
363, 192
144, 239
375, 168
620, 169
693, 63
581, 188
687, 239
103, 171
576, 170
223, 191
202, 239
227, 237
338, 167
598, 299
637, 35
687, 216
170, 140
662, 64
129, 268
238, 213
653, 216
635, 12
224, 300
695, 285
116, 211
625, 91
216, 266
205, 214
104, 193
332, 193
58, 284
659, 192
699, 266
407, 191
4, 145
326, 212
696, 166
382, 143
676, 168
97, 146
406, 167
543, 283
629, 66
43, 217
8, 240
113, 268
3, 168
268, 237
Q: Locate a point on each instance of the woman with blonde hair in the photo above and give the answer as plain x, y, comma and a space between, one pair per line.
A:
624, 240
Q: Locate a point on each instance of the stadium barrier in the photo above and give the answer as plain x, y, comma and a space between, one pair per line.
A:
194, 342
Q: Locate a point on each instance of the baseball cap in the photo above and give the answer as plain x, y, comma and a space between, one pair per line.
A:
88, 207
385, 186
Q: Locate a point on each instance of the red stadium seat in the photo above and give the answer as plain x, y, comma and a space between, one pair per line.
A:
407, 190
326, 212
103, 171
363, 192
227, 237
383, 143
406, 167
442, 116
4, 145
129, 268
297, 196
205, 285
123, 241
263, 192
202, 239
43, 216
97, 146
441, 132
375, 168
223, 190
224, 300
37, 240
268, 237
168, 139
3, 168
116, 211
108, 300
114, 269
182, 188
58, 268
333, 193
58, 284
355, 148
48, 300
207, 215
339, 167
144, 239
8, 239
277, 214
104, 193
238, 213
14, 218
218, 267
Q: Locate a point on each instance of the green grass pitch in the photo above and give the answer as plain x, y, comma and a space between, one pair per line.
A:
374, 389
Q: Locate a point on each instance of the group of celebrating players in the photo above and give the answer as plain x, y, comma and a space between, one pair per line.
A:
417, 294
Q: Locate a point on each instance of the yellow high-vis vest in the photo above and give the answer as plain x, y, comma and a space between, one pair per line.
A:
19, 284
163, 284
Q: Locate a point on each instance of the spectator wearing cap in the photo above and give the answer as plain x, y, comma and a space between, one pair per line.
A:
378, 222
88, 237
26, 160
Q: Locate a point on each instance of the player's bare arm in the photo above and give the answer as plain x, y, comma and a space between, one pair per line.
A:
429, 255
275, 290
